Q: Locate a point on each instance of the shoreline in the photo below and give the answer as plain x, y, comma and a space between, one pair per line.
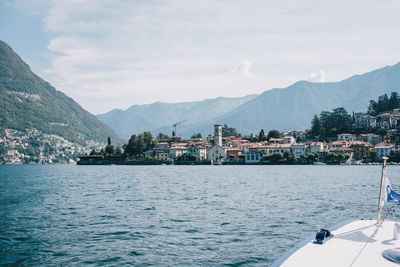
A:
209, 163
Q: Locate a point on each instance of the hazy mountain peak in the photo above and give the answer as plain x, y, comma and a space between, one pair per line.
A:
292, 108
149, 117
278, 108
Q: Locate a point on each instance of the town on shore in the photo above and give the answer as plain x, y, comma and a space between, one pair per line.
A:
33, 146
334, 138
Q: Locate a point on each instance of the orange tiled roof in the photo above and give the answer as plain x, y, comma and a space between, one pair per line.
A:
360, 143
381, 146
340, 149
233, 149
178, 144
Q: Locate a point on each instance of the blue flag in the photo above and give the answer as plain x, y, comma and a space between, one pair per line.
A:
391, 196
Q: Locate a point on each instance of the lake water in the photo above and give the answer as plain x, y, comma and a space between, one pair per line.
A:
175, 215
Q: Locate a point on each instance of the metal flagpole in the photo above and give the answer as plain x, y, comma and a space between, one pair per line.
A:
381, 193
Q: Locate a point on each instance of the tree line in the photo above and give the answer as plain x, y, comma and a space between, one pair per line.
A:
384, 103
331, 123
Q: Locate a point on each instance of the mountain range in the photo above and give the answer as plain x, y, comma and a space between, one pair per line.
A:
27, 101
140, 118
287, 108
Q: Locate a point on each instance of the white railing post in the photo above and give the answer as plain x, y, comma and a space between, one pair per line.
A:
381, 192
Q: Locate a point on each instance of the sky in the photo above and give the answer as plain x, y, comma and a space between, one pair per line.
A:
108, 54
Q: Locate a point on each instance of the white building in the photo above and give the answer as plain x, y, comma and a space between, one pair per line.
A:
282, 148
362, 120
263, 150
199, 151
217, 153
176, 151
252, 157
347, 137
275, 140
315, 147
383, 125
298, 149
288, 140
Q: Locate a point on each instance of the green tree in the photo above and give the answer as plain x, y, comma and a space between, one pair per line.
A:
118, 150
229, 131
251, 138
132, 148
274, 134
2, 149
289, 156
342, 120
394, 101
47, 149
137, 145
181, 157
372, 108
30, 151
198, 135
277, 156
373, 155
312, 157
332, 156
262, 136
109, 149
333, 123
193, 157
327, 122
317, 128
341, 158
162, 136
384, 103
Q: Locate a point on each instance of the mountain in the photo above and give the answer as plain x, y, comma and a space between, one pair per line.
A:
150, 117
293, 107
27, 101
287, 108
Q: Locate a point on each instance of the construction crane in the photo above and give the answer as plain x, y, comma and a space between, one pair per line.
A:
176, 124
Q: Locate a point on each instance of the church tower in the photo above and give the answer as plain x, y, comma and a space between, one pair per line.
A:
218, 134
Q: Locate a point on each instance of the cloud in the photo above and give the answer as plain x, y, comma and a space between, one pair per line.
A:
173, 50
244, 69
317, 77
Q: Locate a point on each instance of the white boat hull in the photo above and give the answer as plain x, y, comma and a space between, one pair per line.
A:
356, 243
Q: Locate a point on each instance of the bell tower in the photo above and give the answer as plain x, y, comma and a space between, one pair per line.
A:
218, 134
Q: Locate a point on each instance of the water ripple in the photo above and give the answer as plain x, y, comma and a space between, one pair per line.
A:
173, 215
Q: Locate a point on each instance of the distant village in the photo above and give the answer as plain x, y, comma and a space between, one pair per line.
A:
33, 146
289, 147
335, 137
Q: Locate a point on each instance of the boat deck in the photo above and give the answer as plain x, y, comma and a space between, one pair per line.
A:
358, 243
